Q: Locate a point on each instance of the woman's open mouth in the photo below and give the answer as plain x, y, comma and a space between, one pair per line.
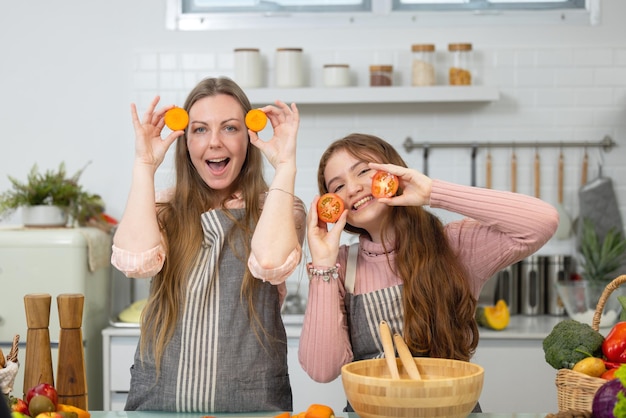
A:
217, 165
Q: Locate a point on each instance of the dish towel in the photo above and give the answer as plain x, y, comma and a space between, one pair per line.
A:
98, 247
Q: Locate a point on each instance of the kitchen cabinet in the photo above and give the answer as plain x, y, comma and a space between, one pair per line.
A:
517, 377
119, 345
372, 95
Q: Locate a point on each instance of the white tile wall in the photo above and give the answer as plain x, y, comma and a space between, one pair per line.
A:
548, 94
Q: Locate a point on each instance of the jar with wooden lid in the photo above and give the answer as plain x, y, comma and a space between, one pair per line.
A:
460, 72
248, 67
423, 65
381, 75
289, 71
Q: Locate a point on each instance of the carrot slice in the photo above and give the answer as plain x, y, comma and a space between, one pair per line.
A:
176, 119
256, 120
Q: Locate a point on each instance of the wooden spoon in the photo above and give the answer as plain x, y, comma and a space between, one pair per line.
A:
390, 352
407, 358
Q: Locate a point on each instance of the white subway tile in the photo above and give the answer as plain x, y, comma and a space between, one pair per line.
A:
168, 61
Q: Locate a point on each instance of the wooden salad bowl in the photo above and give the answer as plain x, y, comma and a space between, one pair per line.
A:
447, 388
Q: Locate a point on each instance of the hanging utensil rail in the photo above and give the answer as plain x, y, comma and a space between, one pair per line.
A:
606, 144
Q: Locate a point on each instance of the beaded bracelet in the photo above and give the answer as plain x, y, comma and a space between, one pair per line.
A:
324, 274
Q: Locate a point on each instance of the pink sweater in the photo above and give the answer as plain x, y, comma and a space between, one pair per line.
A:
500, 228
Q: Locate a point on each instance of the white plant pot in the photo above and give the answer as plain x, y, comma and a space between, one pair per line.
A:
44, 216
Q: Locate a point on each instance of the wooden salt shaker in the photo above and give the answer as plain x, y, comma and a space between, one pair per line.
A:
38, 361
71, 375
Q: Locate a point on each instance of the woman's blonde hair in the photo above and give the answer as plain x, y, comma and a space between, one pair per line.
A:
439, 308
179, 220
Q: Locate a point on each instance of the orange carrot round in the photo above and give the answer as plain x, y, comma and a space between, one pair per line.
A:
256, 120
176, 119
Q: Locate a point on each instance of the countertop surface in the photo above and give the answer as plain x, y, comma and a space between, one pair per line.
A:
123, 414
521, 327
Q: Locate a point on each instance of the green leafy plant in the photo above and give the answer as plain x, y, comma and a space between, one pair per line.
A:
600, 259
54, 187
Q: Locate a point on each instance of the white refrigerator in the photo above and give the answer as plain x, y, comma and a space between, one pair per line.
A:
56, 261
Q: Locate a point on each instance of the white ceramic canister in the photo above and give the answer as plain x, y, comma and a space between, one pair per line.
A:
289, 70
248, 67
336, 75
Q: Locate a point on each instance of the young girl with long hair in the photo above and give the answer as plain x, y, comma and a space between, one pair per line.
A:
409, 269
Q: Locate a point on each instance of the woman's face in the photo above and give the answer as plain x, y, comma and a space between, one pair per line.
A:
217, 139
351, 179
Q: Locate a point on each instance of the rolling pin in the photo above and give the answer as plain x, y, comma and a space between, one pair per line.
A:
71, 375
38, 359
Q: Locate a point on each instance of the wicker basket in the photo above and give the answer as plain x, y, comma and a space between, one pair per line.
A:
575, 390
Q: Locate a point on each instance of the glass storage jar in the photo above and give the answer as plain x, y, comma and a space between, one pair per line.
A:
460, 72
423, 65
289, 70
248, 67
336, 75
381, 75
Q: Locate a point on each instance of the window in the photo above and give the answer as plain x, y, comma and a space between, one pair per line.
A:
297, 14
415, 5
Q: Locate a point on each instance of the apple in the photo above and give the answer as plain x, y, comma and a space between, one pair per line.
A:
49, 415
45, 389
16, 414
18, 405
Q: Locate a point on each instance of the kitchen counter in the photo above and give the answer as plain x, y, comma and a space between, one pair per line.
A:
513, 354
123, 414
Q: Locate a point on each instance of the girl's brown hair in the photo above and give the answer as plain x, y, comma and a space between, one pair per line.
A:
179, 220
439, 308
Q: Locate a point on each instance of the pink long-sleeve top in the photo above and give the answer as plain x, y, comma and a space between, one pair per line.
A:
499, 228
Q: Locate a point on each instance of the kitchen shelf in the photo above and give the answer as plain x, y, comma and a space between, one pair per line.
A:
365, 95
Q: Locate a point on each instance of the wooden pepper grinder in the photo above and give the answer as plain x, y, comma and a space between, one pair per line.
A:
71, 376
38, 362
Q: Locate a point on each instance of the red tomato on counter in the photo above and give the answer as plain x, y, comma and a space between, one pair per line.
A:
384, 184
330, 207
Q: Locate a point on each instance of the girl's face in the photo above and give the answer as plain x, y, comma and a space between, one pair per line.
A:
351, 179
217, 139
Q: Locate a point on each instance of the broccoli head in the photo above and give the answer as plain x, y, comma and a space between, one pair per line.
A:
569, 342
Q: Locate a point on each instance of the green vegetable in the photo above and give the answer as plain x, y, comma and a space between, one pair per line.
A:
569, 342
620, 406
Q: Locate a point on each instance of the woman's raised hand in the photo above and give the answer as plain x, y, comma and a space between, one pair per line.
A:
416, 187
281, 148
150, 148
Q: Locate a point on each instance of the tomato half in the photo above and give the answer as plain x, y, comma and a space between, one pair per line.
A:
384, 184
330, 207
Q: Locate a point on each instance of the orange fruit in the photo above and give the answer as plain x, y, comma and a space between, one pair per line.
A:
81, 413
319, 411
283, 415
256, 120
176, 119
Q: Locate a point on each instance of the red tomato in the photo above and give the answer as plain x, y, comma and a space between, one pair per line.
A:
609, 374
384, 184
330, 207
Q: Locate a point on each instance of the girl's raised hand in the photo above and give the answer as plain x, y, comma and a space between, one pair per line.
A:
416, 187
150, 148
323, 244
281, 148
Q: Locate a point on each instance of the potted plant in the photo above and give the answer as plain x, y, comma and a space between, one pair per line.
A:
600, 261
52, 191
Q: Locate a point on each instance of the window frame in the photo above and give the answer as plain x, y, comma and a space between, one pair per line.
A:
382, 14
